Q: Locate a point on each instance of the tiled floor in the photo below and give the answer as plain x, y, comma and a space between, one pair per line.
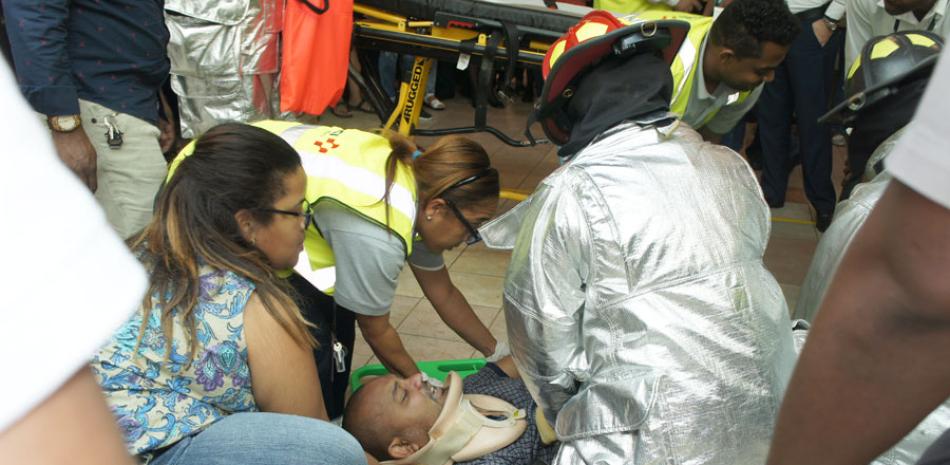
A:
479, 272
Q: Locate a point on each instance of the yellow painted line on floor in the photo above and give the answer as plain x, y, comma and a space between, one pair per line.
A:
782, 219
510, 194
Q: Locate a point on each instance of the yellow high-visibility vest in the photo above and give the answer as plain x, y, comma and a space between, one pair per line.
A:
345, 166
626, 7
688, 59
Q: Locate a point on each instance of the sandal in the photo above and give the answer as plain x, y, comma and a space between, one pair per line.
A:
341, 110
363, 106
434, 103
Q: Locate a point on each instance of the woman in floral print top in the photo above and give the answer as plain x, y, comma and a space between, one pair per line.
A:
218, 341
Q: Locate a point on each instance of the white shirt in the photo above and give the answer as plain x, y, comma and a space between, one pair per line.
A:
835, 9
867, 19
920, 159
723, 100
66, 279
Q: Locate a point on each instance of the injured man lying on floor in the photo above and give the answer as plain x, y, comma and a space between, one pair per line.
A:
487, 418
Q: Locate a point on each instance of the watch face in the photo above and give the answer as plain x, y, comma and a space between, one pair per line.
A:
64, 123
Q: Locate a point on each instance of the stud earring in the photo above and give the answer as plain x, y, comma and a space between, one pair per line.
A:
428, 218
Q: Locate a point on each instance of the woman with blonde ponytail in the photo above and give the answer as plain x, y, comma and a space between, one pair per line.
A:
379, 201
216, 366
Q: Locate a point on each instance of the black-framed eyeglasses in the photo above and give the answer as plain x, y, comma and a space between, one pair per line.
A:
306, 212
473, 236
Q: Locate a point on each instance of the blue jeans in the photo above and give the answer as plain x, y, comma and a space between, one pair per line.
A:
265, 438
387, 72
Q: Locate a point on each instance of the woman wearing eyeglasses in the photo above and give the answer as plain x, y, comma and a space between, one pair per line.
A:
217, 365
379, 202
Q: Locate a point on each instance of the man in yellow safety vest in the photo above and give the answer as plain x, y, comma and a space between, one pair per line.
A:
732, 57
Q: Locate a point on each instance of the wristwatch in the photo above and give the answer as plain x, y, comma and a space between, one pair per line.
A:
832, 24
63, 123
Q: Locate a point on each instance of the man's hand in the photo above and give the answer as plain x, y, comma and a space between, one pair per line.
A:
78, 154
822, 31
166, 138
688, 6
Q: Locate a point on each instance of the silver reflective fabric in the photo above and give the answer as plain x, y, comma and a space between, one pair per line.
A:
638, 308
850, 215
224, 60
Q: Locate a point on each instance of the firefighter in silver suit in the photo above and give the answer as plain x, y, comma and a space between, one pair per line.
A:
638, 308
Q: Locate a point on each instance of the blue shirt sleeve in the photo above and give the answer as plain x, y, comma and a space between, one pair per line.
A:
37, 30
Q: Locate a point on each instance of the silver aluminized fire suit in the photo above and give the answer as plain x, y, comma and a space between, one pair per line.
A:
224, 60
850, 215
638, 308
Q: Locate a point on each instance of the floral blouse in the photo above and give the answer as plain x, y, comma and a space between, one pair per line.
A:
159, 400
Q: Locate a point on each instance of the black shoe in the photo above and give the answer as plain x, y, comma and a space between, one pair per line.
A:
753, 153
774, 204
822, 221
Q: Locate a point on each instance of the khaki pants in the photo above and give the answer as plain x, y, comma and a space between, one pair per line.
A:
130, 176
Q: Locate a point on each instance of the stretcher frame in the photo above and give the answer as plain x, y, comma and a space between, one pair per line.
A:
449, 37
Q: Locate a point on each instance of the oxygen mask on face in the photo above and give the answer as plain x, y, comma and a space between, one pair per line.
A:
433, 388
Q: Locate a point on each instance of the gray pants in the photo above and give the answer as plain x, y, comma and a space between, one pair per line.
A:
130, 176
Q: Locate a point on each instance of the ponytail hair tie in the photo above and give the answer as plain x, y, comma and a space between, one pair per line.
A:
416, 154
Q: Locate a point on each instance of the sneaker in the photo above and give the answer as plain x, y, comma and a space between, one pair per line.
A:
434, 103
424, 115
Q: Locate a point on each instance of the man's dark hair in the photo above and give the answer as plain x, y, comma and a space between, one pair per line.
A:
745, 24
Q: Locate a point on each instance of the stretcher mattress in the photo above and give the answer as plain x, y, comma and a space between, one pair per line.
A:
527, 14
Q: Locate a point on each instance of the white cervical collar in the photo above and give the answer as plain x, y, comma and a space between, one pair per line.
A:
462, 432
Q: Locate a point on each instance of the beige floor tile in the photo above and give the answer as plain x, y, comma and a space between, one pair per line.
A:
795, 211
401, 308
360, 347
361, 360
795, 177
449, 256
479, 289
481, 261
429, 348
499, 327
407, 285
788, 259
425, 321
794, 230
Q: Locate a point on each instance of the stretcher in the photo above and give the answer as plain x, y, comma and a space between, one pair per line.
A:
437, 369
460, 31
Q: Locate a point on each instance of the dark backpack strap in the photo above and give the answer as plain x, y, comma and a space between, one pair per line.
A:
315, 9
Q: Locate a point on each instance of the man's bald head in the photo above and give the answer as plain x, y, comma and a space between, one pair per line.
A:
365, 418
391, 417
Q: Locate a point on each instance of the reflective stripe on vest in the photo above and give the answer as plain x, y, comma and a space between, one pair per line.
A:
688, 60
349, 167
626, 7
